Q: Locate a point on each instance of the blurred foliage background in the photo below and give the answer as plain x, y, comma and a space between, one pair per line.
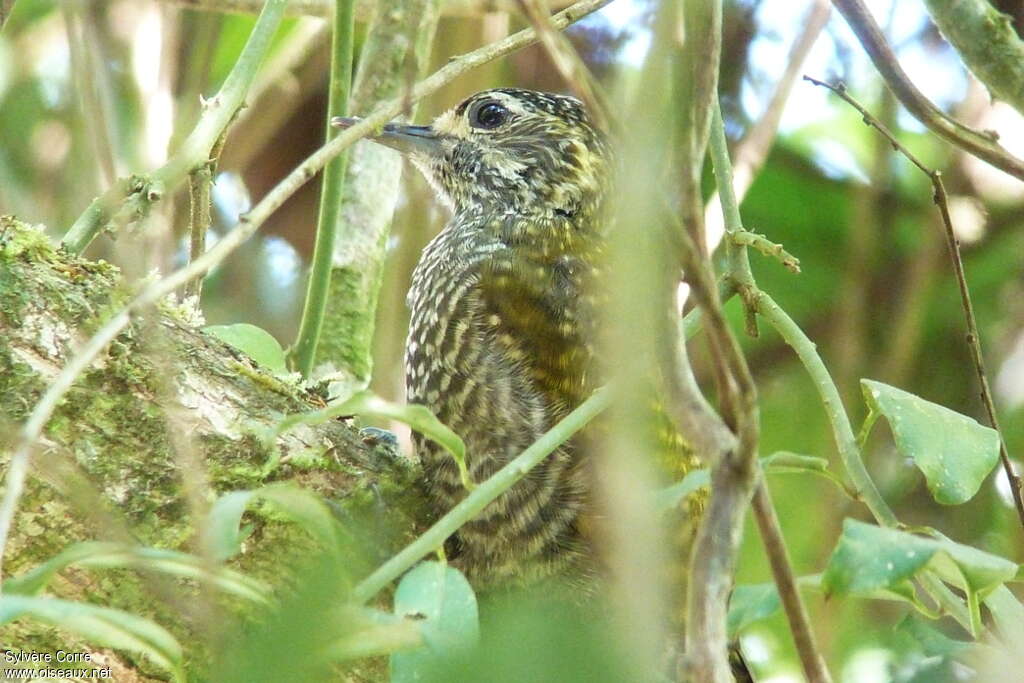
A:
91, 91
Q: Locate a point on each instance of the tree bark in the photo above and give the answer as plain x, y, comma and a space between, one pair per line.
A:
110, 464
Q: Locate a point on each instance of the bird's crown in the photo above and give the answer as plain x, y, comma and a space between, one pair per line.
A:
510, 151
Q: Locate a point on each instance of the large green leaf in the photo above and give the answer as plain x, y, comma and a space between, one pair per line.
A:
96, 555
100, 625
442, 600
254, 341
954, 452
868, 558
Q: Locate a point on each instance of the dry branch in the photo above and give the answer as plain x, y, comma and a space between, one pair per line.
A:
981, 145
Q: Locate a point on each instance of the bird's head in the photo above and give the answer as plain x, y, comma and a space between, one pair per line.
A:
508, 151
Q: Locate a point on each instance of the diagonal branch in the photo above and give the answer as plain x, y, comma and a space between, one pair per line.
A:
363, 8
139, 193
986, 41
764, 512
873, 40
6, 7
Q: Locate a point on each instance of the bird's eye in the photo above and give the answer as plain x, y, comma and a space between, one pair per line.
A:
488, 115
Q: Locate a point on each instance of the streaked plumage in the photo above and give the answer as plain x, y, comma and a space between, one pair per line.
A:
503, 306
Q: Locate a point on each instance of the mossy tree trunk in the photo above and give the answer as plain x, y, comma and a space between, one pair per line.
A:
111, 466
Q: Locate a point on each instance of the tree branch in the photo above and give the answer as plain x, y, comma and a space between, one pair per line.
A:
873, 40
986, 41
740, 276
751, 152
394, 54
303, 354
468, 508
733, 471
6, 7
364, 8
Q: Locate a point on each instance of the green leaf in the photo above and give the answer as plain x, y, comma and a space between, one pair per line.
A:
223, 533
94, 555
954, 452
441, 598
1008, 616
750, 603
254, 342
100, 625
868, 558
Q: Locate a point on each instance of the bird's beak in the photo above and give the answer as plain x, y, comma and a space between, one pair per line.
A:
404, 138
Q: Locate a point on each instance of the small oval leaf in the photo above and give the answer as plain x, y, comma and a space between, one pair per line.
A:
442, 600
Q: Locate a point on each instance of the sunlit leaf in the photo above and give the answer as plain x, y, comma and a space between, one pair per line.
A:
253, 341
99, 625
954, 452
443, 600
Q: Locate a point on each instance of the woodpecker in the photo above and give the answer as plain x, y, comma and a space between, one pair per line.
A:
504, 304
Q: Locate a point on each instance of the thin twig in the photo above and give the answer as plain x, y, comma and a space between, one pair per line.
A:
291, 75
861, 483
782, 571
364, 8
568, 62
199, 183
750, 152
733, 472
468, 508
981, 145
745, 238
973, 338
89, 75
6, 7
247, 225
393, 56
303, 354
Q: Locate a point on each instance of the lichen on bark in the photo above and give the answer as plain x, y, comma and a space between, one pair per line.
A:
396, 49
106, 467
